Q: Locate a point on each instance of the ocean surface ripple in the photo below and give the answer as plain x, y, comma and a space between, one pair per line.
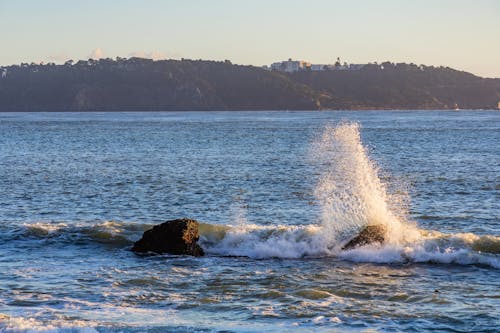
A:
278, 194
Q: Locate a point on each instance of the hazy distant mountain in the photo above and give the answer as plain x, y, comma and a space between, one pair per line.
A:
140, 85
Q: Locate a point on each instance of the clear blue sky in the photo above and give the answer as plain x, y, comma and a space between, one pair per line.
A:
464, 34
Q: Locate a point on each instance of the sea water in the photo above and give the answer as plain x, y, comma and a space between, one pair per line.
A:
277, 195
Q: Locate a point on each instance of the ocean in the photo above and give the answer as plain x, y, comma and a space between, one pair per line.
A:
277, 195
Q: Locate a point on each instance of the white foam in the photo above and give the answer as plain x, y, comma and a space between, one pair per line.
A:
32, 325
267, 242
44, 228
49, 320
422, 251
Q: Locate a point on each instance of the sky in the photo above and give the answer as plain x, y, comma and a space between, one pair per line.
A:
463, 34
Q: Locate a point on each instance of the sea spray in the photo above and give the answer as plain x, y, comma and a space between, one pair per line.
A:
350, 194
349, 190
238, 211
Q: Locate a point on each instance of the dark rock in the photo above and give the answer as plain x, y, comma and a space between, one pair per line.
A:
370, 234
174, 237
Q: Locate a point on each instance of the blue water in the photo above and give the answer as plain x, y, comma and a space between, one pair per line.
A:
77, 189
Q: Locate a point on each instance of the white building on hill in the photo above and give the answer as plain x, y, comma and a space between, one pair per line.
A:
291, 66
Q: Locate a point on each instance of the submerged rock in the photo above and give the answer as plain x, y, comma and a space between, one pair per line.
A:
370, 234
175, 237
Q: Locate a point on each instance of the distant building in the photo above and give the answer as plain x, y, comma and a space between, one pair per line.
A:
291, 66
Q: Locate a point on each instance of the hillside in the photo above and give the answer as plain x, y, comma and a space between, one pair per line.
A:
140, 85
403, 86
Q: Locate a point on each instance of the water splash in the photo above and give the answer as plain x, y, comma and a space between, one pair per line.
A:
351, 195
350, 191
238, 211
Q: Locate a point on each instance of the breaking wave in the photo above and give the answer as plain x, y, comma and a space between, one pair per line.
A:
282, 241
351, 196
109, 233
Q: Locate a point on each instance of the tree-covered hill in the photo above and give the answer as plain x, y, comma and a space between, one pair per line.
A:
137, 84
142, 84
403, 86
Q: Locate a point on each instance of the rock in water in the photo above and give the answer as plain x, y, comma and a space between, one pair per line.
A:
369, 234
174, 237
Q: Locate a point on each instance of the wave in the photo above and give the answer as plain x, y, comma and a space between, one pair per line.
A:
281, 241
110, 233
292, 242
351, 195
434, 247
